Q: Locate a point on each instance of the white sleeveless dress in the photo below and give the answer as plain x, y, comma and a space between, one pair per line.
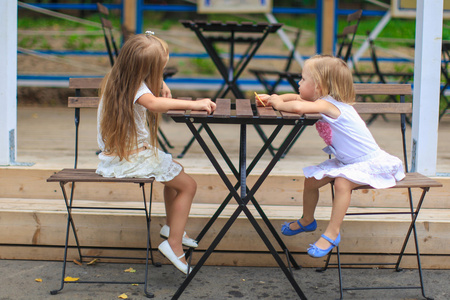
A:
151, 162
357, 156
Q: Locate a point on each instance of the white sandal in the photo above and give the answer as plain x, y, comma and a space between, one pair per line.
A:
188, 242
167, 251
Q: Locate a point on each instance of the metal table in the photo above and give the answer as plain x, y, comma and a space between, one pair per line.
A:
244, 114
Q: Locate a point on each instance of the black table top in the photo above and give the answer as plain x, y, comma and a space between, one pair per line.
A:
231, 26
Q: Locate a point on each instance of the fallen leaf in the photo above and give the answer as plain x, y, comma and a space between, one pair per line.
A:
93, 262
135, 284
130, 270
123, 296
77, 262
68, 278
38, 280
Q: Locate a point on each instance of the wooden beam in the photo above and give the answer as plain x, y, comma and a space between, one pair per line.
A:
42, 226
328, 30
129, 15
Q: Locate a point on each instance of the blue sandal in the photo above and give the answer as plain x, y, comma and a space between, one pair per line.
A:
286, 230
315, 251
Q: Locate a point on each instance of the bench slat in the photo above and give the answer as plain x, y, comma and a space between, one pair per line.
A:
383, 108
382, 89
412, 180
89, 175
80, 102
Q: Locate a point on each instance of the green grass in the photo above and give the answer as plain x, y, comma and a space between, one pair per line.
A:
396, 29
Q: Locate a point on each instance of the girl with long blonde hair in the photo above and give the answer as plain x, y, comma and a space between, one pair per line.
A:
127, 125
326, 88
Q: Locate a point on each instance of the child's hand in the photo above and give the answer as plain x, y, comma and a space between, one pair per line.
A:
274, 100
261, 99
165, 91
205, 104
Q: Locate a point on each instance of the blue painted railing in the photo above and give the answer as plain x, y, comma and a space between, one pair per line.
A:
141, 7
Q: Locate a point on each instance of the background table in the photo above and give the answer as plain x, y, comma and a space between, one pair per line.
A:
231, 33
244, 114
252, 35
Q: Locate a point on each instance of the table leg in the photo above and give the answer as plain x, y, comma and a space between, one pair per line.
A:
239, 183
242, 207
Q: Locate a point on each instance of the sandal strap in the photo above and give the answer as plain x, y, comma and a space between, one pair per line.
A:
301, 226
328, 239
181, 256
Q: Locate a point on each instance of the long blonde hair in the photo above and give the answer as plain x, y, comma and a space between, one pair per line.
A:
141, 59
333, 77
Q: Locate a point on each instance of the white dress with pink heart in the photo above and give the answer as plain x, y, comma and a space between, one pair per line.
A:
357, 156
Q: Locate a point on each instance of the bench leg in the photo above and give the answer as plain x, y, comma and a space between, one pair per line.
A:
149, 243
412, 229
70, 223
414, 212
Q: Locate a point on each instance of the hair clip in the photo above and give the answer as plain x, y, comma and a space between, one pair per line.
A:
149, 33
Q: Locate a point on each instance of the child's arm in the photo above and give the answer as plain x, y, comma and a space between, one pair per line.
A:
305, 107
285, 97
162, 104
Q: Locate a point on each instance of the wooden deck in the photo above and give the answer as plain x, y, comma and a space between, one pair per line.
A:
32, 212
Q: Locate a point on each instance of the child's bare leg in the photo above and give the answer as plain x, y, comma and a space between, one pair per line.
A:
169, 196
342, 196
310, 199
180, 192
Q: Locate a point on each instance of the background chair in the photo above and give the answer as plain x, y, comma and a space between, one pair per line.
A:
387, 77
108, 33
347, 36
345, 44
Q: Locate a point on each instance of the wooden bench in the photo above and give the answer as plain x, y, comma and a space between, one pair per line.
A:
411, 181
76, 175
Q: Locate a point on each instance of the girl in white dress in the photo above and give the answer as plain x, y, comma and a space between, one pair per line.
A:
327, 88
127, 133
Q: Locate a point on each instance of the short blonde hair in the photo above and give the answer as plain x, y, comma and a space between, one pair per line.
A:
332, 77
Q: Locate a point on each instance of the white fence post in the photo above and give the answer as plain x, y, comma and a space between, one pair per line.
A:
8, 81
427, 79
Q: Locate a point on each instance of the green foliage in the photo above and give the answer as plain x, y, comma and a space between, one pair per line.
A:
395, 29
76, 42
204, 66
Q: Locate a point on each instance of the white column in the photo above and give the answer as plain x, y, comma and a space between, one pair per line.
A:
427, 73
8, 81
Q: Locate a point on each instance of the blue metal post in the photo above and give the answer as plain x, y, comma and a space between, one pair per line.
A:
139, 16
319, 20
